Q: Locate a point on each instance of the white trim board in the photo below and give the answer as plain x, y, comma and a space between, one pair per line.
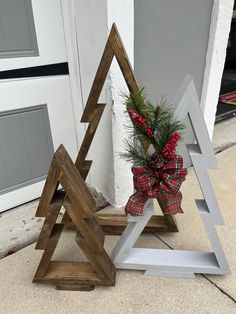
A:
178, 263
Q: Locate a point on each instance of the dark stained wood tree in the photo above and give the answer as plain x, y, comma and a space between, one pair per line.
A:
80, 208
113, 224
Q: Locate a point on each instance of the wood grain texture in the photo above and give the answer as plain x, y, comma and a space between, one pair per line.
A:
123, 60
50, 187
48, 251
116, 224
74, 184
100, 261
83, 165
89, 135
50, 220
94, 236
72, 272
73, 287
99, 80
80, 208
92, 113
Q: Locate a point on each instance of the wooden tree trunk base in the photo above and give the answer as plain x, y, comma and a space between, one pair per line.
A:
74, 287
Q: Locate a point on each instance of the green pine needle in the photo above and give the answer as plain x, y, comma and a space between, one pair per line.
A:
159, 118
135, 154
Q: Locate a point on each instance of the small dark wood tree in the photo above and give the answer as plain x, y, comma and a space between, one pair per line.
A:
80, 208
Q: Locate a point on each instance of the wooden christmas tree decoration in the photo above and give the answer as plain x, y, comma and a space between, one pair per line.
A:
80, 208
179, 263
114, 224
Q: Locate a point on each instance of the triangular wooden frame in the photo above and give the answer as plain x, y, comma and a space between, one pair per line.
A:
80, 208
179, 263
114, 224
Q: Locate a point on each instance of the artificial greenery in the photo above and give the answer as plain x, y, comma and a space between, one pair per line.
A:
143, 116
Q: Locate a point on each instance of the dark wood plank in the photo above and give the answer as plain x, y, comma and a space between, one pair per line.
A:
50, 220
84, 169
48, 252
49, 189
72, 272
93, 235
89, 135
74, 184
73, 287
99, 81
81, 164
123, 60
100, 261
69, 271
115, 224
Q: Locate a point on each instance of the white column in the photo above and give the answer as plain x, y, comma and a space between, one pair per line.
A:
122, 13
215, 59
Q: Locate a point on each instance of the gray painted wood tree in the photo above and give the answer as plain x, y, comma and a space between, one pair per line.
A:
179, 263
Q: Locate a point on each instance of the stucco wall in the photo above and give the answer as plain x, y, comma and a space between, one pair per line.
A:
109, 173
120, 12
92, 31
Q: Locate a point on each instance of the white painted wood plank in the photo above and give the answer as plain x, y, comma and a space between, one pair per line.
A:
171, 260
205, 183
188, 105
132, 232
169, 274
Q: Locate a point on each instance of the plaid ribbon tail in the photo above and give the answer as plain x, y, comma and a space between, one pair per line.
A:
135, 204
172, 203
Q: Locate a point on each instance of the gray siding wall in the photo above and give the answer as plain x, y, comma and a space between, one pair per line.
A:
170, 41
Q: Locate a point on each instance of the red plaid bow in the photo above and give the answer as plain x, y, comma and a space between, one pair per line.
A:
163, 185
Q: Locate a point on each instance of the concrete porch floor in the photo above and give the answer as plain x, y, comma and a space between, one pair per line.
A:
133, 293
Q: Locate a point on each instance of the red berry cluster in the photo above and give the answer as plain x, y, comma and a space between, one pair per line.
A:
141, 122
169, 148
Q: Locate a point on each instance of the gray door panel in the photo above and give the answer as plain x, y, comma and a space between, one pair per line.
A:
36, 142
17, 30
12, 147
4, 180
26, 147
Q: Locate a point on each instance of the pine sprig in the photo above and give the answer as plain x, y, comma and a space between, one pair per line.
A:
135, 154
158, 119
165, 125
137, 101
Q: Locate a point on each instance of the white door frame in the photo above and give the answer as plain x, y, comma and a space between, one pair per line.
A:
73, 64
